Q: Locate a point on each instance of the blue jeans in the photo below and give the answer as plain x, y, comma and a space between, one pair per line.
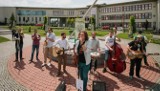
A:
19, 49
83, 70
106, 55
37, 51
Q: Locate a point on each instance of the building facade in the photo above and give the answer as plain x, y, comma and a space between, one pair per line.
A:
105, 14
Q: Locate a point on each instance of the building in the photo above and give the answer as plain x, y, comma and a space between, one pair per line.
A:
105, 14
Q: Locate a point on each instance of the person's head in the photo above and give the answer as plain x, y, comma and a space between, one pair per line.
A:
111, 33
35, 30
139, 38
63, 35
20, 30
50, 30
83, 35
140, 32
93, 35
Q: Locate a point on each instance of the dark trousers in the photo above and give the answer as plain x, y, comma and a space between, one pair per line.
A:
60, 59
19, 50
83, 70
93, 64
145, 57
37, 51
135, 62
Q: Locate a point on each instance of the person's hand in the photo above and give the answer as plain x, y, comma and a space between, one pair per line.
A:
84, 47
133, 52
110, 49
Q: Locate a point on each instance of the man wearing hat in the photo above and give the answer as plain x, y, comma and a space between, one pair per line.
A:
134, 47
144, 44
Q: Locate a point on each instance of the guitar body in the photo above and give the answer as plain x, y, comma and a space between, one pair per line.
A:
138, 54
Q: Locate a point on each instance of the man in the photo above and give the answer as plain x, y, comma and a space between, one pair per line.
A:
19, 43
50, 39
35, 45
109, 40
63, 43
144, 44
94, 48
134, 46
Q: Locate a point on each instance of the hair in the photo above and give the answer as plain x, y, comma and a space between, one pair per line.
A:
85, 34
63, 33
50, 29
140, 32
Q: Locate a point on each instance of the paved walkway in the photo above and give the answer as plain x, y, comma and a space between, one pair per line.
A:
33, 77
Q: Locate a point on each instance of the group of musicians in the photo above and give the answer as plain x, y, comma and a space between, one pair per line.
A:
83, 48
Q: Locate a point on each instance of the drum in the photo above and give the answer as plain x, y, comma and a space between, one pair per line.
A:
95, 54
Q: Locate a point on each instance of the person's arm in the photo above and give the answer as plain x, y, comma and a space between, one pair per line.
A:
32, 37
129, 47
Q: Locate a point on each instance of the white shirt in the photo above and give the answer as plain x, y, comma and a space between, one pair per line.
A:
52, 36
110, 41
94, 44
87, 53
63, 43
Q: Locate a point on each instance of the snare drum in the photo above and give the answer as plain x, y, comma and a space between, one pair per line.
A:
95, 54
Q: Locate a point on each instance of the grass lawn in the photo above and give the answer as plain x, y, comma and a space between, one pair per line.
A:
5, 27
58, 31
2, 39
149, 37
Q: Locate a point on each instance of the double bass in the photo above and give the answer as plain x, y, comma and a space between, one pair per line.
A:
116, 60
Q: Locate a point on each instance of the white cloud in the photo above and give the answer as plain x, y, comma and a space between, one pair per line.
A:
55, 3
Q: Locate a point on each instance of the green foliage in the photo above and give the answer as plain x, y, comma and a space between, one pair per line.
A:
29, 29
3, 39
132, 27
12, 20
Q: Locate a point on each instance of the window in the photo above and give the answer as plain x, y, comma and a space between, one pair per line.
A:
19, 19
24, 19
150, 6
27, 18
32, 18
39, 18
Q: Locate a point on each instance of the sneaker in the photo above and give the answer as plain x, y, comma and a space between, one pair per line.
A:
64, 71
37, 58
43, 64
58, 74
16, 60
104, 70
30, 61
131, 77
49, 64
146, 64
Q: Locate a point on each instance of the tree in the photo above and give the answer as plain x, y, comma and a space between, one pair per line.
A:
68, 21
12, 20
45, 22
92, 22
132, 26
146, 24
72, 21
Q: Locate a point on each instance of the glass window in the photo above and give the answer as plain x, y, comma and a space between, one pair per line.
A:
32, 18
24, 19
39, 18
143, 6
19, 19
150, 6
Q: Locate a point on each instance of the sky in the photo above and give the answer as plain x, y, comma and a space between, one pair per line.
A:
56, 3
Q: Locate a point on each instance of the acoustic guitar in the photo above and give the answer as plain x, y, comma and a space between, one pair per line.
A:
138, 54
59, 51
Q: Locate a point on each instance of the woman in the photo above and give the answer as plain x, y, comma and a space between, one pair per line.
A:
82, 50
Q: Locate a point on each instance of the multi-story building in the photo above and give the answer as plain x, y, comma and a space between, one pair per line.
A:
105, 14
